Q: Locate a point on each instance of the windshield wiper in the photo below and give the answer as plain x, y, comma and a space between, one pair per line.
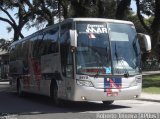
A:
126, 74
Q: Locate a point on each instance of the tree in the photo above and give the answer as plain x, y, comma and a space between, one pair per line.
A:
137, 23
95, 8
88, 8
21, 17
150, 7
36, 11
107, 9
79, 8
122, 8
4, 44
43, 10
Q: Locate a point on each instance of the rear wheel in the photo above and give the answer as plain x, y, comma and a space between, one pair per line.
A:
19, 88
108, 102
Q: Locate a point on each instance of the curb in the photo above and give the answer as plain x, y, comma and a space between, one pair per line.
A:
147, 73
149, 97
5, 83
149, 100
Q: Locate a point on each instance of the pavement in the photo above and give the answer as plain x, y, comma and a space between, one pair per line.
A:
149, 97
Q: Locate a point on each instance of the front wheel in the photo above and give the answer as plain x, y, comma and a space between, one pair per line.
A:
108, 102
54, 94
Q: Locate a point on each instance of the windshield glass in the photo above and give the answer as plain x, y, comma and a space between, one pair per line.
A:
106, 48
125, 48
93, 51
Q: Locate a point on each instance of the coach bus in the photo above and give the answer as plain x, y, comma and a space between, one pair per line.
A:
80, 59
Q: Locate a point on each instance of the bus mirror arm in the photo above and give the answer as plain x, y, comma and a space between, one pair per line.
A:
145, 41
73, 37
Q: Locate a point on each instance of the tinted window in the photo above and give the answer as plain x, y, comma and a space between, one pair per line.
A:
36, 44
50, 42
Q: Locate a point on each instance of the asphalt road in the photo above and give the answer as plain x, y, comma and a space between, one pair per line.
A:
40, 107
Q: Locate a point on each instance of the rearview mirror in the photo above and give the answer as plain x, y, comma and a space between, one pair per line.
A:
73, 37
145, 42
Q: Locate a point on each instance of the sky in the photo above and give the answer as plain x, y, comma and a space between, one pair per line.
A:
4, 33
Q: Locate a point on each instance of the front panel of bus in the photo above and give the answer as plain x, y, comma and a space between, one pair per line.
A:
107, 61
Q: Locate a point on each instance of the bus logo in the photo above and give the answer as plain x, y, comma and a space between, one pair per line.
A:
112, 83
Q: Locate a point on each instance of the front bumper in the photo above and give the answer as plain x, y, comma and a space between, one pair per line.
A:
92, 94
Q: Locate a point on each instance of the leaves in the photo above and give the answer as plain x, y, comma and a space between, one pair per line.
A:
9, 29
4, 44
122, 9
147, 7
20, 18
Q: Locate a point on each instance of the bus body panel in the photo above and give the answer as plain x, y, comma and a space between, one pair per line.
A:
50, 63
43, 69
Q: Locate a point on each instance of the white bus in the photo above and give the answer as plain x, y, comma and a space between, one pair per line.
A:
80, 59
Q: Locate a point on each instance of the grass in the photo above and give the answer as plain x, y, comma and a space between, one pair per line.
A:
151, 84
153, 90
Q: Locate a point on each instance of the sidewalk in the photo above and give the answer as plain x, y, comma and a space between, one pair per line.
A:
149, 97
150, 72
4, 82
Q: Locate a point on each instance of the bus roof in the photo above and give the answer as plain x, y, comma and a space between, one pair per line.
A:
100, 20
71, 20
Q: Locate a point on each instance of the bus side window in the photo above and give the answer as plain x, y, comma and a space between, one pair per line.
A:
33, 42
36, 41
18, 51
12, 53
50, 42
25, 48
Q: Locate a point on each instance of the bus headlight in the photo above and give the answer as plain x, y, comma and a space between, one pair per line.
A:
136, 81
84, 83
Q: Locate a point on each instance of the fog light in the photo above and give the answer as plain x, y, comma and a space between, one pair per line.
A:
83, 97
136, 96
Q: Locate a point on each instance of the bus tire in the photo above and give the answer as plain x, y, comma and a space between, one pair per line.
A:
54, 93
108, 102
19, 88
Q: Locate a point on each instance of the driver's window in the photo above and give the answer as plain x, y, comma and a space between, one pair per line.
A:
66, 55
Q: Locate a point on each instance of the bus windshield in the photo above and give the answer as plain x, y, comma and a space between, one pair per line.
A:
103, 51
125, 48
